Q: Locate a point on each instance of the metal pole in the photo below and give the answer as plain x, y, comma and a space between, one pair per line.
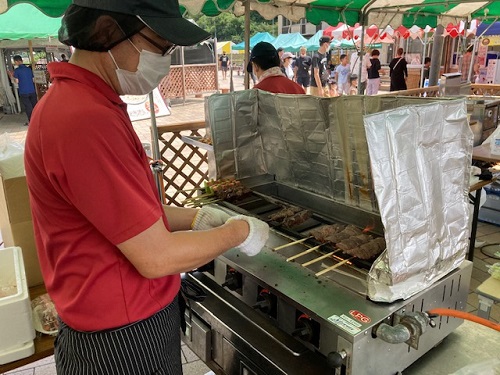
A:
183, 71
156, 164
423, 60
247, 43
437, 50
361, 57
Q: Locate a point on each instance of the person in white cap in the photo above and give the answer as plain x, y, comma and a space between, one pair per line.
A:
287, 59
111, 254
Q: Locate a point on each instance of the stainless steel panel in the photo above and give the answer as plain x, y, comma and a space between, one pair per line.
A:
198, 336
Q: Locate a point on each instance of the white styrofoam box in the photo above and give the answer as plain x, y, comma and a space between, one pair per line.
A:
16, 324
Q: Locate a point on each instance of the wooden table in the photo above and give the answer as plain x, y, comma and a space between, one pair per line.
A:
481, 153
44, 344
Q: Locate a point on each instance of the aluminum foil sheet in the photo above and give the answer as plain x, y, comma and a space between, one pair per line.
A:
315, 144
415, 175
421, 160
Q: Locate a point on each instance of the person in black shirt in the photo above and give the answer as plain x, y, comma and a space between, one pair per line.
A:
427, 69
302, 67
398, 71
224, 60
373, 74
319, 72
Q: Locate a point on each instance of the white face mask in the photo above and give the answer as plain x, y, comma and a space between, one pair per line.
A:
151, 69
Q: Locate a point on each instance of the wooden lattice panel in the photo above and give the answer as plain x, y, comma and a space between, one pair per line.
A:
188, 80
185, 166
489, 90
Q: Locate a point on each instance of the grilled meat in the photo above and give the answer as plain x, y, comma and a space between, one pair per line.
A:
354, 242
297, 219
284, 213
368, 250
321, 233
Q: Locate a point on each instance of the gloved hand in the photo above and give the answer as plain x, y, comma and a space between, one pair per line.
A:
257, 237
209, 217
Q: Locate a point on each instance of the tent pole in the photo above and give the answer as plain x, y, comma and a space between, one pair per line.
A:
424, 49
437, 50
361, 57
247, 43
156, 164
32, 60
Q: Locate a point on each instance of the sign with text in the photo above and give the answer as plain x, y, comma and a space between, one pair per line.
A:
138, 106
40, 76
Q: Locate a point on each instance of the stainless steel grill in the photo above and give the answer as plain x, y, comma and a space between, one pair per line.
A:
293, 310
267, 315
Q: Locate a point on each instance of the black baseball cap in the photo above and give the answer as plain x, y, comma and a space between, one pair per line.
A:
262, 49
161, 16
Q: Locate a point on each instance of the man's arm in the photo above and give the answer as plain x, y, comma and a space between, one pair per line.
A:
179, 218
156, 252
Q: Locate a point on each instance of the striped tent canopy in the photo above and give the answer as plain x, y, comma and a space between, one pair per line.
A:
368, 12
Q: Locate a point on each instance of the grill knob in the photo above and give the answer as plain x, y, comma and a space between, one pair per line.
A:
336, 359
233, 281
304, 330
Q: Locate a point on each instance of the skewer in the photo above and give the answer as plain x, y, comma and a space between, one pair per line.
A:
304, 253
201, 202
292, 243
334, 266
201, 196
320, 258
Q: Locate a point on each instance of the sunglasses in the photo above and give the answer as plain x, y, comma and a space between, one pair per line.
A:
164, 50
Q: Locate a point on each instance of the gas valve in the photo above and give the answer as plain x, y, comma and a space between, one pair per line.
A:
407, 328
264, 302
304, 328
233, 280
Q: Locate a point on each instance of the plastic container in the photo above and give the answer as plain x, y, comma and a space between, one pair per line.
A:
16, 324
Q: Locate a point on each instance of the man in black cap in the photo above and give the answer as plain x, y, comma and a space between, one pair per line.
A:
265, 64
319, 71
110, 253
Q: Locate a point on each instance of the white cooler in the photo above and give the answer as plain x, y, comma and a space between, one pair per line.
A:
16, 324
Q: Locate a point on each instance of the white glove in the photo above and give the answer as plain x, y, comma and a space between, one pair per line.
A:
209, 217
257, 236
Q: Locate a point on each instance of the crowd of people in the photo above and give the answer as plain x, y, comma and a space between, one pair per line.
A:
319, 76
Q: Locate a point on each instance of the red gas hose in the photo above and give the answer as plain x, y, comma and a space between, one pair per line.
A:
466, 316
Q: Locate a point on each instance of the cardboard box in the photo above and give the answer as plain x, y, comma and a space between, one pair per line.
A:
16, 324
16, 225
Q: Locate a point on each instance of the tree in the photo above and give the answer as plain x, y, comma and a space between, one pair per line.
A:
226, 26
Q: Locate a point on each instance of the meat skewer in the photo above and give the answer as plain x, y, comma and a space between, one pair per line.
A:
303, 253
368, 250
334, 266
320, 258
284, 213
323, 232
297, 219
292, 243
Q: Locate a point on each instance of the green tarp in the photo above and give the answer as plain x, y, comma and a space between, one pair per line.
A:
379, 12
24, 21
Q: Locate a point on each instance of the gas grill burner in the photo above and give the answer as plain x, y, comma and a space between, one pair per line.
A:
324, 240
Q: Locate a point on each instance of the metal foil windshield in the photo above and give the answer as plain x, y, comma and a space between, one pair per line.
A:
320, 145
421, 159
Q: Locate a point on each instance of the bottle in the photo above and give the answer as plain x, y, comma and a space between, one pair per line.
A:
495, 142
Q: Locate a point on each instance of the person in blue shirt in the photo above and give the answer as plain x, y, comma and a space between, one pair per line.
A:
24, 78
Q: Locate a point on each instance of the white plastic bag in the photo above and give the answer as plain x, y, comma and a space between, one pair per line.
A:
11, 157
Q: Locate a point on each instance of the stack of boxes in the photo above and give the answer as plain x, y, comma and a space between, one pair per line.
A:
17, 226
